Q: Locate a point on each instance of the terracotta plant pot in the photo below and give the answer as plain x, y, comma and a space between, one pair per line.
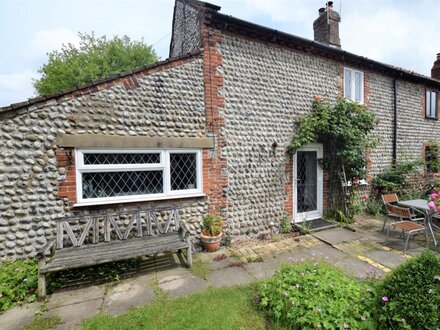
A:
210, 243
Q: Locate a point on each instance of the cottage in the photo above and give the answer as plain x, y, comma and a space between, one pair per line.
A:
206, 129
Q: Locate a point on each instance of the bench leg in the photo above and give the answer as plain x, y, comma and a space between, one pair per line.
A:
188, 251
41, 279
407, 242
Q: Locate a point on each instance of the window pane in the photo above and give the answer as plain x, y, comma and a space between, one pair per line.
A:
347, 84
183, 170
358, 86
134, 158
433, 103
428, 104
111, 184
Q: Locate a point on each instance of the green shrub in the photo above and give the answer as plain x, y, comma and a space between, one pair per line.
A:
374, 206
285, 226
311, 295
18, 282
213, 225
409, 297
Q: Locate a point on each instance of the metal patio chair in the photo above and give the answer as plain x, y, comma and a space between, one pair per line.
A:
392, 199
408, 227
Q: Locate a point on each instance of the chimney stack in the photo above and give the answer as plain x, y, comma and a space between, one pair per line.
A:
435, 71
326, 26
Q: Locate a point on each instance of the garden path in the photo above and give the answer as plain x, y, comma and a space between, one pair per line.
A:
359, 251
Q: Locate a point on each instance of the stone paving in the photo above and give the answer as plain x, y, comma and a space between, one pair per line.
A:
357, 250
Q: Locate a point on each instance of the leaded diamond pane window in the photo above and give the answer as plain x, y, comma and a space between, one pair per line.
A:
183, 168
109, 176
113, 184
125, 158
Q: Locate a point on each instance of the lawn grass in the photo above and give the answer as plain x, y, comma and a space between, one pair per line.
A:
224, 308
46, 323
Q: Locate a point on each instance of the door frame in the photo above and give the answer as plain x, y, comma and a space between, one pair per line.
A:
299, 217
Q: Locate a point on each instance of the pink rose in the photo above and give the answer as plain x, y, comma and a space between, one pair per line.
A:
431, 205
434, 195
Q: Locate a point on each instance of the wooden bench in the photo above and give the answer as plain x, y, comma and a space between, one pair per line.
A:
89, 240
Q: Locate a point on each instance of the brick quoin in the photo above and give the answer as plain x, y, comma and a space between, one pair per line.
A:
214, 164
288, 186
67, 188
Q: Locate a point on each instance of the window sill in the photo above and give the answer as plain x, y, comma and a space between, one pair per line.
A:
431, 118
134, 200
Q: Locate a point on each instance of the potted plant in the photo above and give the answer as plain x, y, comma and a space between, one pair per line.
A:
212, 232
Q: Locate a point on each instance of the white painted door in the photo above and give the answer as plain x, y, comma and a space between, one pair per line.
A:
307, 183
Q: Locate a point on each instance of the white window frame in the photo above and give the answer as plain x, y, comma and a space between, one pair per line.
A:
164, 165
431, 92
353, 84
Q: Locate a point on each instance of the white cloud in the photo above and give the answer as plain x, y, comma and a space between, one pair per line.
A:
48, 40
283, 10
394, 36
16, 85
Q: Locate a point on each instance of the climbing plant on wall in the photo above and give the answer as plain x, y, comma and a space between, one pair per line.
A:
344, 130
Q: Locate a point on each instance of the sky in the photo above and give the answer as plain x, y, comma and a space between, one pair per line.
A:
403, 33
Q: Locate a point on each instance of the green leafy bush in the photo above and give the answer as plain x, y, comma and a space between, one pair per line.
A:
344, 128
285, 226
314, 294
213, 225
18, 282
374, 206
402, 178
409, 297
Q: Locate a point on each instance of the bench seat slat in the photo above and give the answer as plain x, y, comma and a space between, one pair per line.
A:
98, 254
113, 250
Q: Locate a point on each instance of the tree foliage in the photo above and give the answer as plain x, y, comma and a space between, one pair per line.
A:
94, 58
344, 130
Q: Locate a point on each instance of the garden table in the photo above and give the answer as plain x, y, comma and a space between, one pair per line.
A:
422, 205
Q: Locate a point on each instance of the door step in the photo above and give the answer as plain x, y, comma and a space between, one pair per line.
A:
316, 225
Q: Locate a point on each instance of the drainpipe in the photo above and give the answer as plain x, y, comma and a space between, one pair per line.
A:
395, 121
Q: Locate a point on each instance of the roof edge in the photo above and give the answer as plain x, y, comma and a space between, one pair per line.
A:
266, 34
95, 83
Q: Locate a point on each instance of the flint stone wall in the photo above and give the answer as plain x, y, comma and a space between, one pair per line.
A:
186, 29
413, 129
265, 89
168, 103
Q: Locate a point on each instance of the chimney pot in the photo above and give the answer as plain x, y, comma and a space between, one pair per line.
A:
326, 26
435, 71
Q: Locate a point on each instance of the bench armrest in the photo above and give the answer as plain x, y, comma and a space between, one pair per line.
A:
183, 230
48, 247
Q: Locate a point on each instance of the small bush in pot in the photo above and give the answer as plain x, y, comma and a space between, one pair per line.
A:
212, 232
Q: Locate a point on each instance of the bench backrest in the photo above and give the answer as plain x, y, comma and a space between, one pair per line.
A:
103, 227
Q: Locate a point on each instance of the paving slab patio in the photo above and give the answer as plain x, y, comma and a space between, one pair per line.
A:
130, 293
337, 235
180, 282
70, 297
229, 277
357, 251
18, 317
386, 258
73, 315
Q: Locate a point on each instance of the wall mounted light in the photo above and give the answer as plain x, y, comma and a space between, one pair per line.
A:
274, 148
